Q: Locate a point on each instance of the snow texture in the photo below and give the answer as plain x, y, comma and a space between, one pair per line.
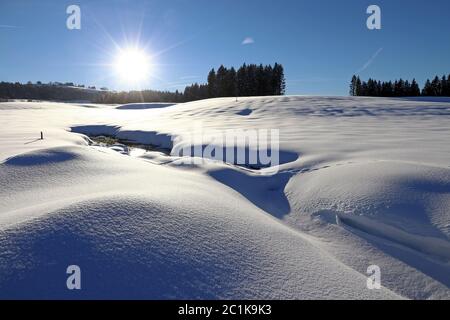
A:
361, 181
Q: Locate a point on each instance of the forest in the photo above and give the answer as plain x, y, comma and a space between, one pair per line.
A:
439, 86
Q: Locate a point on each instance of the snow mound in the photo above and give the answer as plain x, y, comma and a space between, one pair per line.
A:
42, 157
134, 238
398, 207
131, 247
406, 196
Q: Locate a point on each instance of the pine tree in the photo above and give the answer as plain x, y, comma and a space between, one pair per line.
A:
279, 80
379, 88
251, 85
443, 91
427, 89
353, 86
436, 86
358, 89
399, 88
241, 79
282, 80
268, 85
384, 89
260, 81
364, 89
231, 83
407, 89
221, 79
415, 90
212, 84
370, 91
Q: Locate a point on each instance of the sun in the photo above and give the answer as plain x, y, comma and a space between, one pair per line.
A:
132, 65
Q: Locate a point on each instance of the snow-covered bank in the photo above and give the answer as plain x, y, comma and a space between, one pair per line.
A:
364, 181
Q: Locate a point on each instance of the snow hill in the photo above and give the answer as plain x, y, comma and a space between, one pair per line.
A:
361, 181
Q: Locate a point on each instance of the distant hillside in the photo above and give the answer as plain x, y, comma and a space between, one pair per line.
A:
50, 91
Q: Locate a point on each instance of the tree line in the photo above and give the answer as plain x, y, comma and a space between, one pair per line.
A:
400, 88
51, 91
248, 80
112, 97
56, 91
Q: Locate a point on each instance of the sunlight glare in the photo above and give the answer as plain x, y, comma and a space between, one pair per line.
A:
132, 65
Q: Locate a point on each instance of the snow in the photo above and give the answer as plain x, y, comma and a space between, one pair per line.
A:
361, 181
137, 106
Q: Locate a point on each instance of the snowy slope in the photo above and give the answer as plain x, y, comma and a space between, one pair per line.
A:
363, 181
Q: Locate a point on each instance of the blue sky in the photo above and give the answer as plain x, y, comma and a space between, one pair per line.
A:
321, 43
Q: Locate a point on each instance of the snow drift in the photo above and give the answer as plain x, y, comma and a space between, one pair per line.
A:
364, 181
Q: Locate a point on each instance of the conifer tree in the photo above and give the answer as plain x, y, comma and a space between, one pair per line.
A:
241, 79
427, 89
221, 79
212, 84
436, 86
443, 86
352, 90
415, 90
